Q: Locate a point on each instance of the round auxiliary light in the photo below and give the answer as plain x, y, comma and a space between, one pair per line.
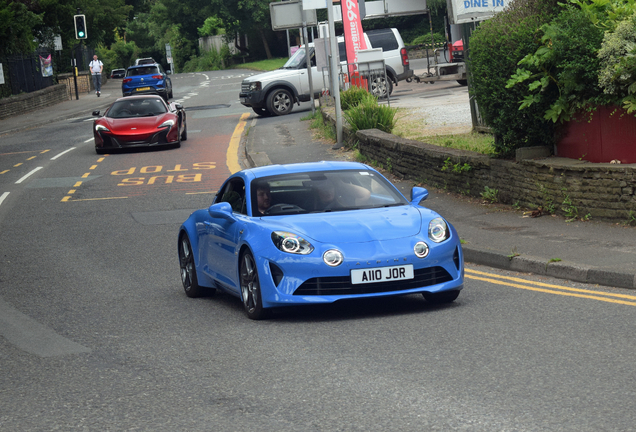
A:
421, 249
333, 258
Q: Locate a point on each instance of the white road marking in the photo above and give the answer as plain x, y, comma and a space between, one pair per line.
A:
65, 151
3, 196
89, 140
28, 175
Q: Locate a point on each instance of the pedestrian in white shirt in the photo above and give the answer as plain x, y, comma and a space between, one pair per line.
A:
96, 70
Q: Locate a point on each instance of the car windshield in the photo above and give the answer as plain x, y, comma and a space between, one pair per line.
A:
137, 108
296, 59
146, 70
322, 191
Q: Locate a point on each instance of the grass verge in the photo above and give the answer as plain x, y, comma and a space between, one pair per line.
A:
264, 65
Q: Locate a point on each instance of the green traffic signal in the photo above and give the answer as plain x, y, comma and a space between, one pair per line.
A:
80, 26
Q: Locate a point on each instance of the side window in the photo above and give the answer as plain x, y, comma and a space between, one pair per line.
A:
233, 193
384, 39
342, 52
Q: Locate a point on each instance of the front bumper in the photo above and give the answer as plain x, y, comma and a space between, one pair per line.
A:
292, 281
252, 99
105, 140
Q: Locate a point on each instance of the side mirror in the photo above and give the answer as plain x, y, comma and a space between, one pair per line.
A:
221, 210
168, 72
178, 106
418, 194
96, 113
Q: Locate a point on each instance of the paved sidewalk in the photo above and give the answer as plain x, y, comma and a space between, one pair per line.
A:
494, 235
82, 107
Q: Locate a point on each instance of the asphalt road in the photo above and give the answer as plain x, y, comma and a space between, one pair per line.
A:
98, 335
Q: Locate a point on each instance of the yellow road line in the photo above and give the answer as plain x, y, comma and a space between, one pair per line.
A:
232, 151
555, 289
92, 199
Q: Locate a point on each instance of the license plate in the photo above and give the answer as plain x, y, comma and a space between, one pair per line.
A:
143, 88
243, 100
382, 274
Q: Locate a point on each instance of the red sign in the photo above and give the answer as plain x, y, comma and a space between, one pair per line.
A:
353, 33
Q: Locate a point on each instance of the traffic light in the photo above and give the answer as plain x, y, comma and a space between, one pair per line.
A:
80, 27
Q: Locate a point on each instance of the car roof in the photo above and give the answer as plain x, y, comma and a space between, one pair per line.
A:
270, 170
143, 65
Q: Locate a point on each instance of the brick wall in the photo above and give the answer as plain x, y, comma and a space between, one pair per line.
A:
27, 102
63, 91
565, 186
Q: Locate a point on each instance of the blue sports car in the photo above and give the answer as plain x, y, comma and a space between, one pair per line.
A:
311, 233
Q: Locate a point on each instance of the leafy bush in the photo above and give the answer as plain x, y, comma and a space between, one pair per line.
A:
425, 39
353, 96
496, 47
617, 55
563, 71
369, 115
209, 60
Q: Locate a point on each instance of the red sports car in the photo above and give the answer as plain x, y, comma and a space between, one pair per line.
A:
139, 121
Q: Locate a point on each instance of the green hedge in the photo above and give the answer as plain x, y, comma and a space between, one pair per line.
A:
496, 47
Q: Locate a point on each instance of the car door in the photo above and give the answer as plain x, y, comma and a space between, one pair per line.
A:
222, 235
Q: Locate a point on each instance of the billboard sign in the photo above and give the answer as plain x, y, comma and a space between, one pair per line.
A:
468, 11
289, 15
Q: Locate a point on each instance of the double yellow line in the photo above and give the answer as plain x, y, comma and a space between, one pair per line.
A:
625, 299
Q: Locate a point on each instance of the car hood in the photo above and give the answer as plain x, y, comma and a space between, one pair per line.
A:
139, 124
272, 75
355, 226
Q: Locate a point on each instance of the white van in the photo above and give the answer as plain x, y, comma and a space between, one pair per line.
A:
275, 92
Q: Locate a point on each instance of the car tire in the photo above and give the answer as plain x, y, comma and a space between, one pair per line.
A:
188, 270
184, 134
170, 94
441, 297
280, 102
251, 288
100, 151
263, 112
463, 82
379, 85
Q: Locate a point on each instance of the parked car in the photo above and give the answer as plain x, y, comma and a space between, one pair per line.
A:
310, 233
142, 61
139, 121
275, 92
147, 79
118, 73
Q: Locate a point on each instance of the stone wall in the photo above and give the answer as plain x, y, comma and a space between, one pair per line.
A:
569, 187
63, 91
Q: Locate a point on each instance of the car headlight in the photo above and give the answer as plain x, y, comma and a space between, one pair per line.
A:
438, 230
421, 249
255, 86
333, 258
101, 128
291, 243
167, 123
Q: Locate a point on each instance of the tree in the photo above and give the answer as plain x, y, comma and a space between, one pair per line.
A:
16, 24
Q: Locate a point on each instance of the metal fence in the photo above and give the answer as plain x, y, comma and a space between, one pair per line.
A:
371, 76
24, 73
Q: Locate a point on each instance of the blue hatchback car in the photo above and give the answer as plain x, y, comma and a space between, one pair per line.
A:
147, 79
